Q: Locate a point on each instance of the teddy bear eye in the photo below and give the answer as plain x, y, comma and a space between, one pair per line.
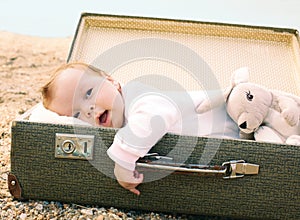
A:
249, 96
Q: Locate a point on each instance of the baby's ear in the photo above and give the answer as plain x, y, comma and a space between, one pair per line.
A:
213, 101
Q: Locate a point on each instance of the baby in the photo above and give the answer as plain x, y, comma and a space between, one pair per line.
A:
143, 114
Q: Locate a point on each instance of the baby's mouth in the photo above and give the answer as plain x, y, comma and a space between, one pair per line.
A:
103, 117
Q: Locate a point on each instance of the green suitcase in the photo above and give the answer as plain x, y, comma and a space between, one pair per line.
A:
45, 166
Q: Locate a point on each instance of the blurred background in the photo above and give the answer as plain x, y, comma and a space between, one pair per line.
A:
59, 18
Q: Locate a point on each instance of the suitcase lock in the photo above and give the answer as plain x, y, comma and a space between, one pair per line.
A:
74, 146
68, 146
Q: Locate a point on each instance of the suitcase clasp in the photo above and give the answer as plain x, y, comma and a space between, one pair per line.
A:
74, 146
239, 168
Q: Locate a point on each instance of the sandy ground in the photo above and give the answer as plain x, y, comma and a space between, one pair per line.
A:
25, 63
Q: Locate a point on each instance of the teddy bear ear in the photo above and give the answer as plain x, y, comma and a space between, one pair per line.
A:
213, 101
240, 75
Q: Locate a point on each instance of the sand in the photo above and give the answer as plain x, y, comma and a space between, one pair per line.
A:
25, 64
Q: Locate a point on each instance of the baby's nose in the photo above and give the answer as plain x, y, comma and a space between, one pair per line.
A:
90, 111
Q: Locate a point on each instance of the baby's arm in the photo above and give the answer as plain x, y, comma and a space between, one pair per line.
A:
124, 171
149, 119
128, 179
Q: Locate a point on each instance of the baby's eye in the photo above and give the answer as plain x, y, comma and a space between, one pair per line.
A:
89, 93
76, 115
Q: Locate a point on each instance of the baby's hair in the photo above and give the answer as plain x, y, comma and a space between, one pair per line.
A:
47, 89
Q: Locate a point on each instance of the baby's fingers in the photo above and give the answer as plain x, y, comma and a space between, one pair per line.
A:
131, 186
135, 191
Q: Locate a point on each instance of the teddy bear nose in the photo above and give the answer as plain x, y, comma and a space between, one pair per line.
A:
243, 125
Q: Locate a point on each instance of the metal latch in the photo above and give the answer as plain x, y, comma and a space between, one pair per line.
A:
74, 146
239, 168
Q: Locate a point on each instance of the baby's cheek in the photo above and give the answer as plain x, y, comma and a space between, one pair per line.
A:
89, 120
117, 121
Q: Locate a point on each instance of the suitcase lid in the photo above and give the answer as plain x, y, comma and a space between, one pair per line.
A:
191, 54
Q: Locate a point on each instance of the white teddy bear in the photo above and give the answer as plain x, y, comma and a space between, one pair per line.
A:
260, 113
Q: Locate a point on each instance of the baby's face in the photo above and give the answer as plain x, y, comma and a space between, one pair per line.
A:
88, 96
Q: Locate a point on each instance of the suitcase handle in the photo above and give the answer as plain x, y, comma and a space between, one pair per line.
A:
228, 170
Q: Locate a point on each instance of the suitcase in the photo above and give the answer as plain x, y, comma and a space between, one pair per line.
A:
68, 163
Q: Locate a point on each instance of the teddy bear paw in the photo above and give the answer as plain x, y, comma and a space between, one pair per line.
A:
291, 116
293, 140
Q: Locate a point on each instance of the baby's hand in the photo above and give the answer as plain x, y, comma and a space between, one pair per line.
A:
128, 179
